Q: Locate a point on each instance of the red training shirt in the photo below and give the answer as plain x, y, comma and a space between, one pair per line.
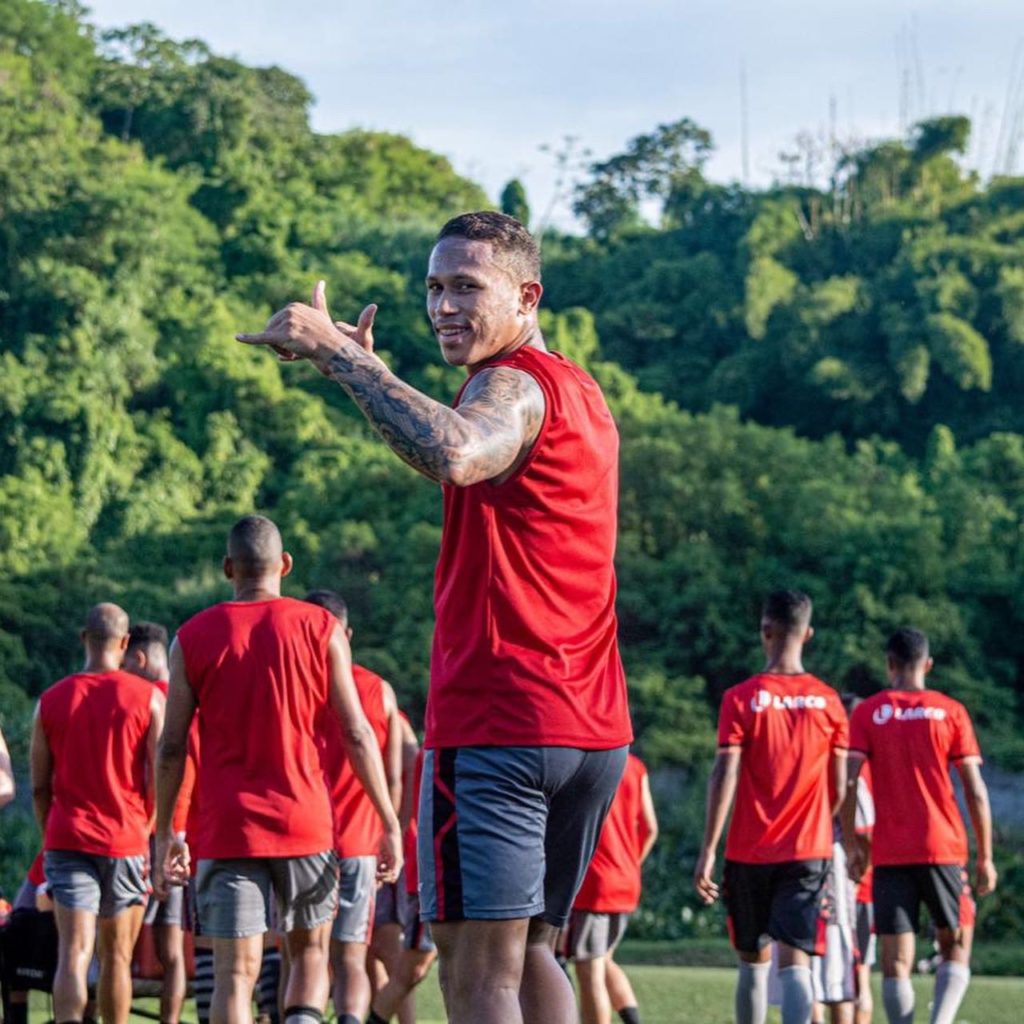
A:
864, 823
788, 727
97, 727
910, 738
260, 671
357, 825
525, 650
612, 882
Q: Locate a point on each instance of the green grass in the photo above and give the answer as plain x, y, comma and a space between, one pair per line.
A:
703, 995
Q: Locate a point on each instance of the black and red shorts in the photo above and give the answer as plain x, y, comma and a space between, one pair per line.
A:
899, 891
775, 901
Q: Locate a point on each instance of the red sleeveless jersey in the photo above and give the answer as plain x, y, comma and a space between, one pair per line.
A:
259, 670
97, 728
357, 825
525, 650
612, 882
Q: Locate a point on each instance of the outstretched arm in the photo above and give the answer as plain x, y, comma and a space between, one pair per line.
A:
976, 794
494, 426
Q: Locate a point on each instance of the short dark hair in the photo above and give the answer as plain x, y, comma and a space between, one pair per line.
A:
514, 246
146, 634
254, 545
333, 602
907, 646
790, 609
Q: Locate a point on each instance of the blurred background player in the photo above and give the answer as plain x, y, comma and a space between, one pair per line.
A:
609, 895
418, 951
146, 656
911, 736
358, 827
262, 668
782, 738
93, 747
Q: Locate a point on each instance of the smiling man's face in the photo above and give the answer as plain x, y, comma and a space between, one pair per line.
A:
476, 307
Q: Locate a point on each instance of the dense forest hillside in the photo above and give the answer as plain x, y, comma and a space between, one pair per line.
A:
815, 387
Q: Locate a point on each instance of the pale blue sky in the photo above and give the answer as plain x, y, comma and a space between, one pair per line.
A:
487, 83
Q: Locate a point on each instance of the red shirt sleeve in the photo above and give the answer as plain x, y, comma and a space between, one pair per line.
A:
841, 732
859, 737
731, 725
965, 743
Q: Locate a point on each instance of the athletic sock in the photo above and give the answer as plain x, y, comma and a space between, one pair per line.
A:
797, 995
752, 993
202, 985
303, 1015
267, 985
898, 999
629, 1015
951, 981
349, 1018
375, 1018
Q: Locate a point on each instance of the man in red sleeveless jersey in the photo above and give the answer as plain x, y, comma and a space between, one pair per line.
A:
146, 656
782, 739
357, 826
261, 670
527, 723
93, 748
911, 736
609, 894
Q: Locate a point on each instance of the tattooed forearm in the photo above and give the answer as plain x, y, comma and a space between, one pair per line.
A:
497, 421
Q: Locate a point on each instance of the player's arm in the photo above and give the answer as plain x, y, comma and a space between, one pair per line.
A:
854, 843
157, 708
393, 748
410, 750
41, 771
721, 792
363, 752
6, 774
648, 819
980, 810
497, 421
171, 862
840, 772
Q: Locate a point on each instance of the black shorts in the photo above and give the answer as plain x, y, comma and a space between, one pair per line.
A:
900, 890
775, 901
508, 832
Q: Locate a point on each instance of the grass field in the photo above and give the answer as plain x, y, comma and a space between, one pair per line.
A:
703, 995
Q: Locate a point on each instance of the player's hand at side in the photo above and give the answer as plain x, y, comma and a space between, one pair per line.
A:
985, 877
857, 856
171, 864
389, 857
703, 877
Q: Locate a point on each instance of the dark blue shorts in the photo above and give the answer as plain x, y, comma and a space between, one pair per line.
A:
508, 832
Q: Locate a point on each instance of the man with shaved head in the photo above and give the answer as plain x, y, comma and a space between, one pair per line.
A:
261, 670
93, 750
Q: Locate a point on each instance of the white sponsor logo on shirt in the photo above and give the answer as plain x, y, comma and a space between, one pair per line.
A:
887, 712
763, 700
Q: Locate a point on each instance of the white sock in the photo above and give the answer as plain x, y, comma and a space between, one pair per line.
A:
951, 981
752, 993
898, 998
797, 995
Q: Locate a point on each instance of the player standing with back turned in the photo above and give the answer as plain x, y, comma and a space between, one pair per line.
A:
910, 736
781, 735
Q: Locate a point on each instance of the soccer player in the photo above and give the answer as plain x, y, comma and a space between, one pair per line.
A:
782, 737
261, 669
609, 894
357, 826
146, 657
910, 736
93, 746
527, 723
